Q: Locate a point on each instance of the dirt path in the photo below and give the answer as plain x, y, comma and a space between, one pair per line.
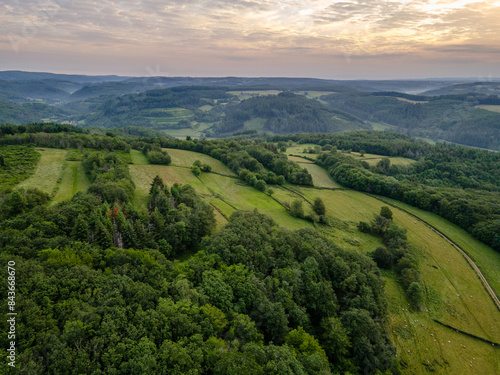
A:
487, 286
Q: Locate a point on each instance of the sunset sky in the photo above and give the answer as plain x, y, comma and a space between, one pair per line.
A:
314, 38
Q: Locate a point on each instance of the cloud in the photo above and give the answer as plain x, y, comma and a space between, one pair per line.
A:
239, 30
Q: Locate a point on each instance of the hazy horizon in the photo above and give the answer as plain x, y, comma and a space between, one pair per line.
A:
347, 39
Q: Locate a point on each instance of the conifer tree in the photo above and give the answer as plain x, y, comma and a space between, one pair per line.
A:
80, 231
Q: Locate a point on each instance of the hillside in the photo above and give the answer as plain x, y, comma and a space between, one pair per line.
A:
286, 113
207, 291
18, 114
215, 107
453, 119
476, 88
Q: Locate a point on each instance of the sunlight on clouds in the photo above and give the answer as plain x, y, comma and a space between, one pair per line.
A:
284, 29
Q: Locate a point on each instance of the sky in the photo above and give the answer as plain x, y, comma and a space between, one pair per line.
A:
343, 39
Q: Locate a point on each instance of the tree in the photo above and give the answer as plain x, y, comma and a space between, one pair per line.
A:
386, 212
383, 165
196, 171
80, 231
15, 203
382, 257
261, 185
334, 338
364, 227
296, 209
206, 168
415, 295
319, 207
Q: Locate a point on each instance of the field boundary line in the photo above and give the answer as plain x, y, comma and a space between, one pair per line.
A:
296, 192
219, 211
493, 343
469, 260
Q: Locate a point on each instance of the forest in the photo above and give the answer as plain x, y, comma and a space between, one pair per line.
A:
452, 118
287, 113
102, 287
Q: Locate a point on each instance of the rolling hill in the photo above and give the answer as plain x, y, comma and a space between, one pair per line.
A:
451, 332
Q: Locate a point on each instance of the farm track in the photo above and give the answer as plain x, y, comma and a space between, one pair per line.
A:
469, 260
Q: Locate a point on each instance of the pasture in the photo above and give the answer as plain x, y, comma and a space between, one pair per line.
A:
320, 177
246, 94
56, 176
373, 159
195, 132
492, 108
487, 259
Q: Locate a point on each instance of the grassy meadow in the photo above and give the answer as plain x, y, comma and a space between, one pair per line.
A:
246, 94
373, 159
56, 176
492, 108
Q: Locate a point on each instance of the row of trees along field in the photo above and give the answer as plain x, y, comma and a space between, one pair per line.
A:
247, 158
261, 159
458, 183
101, 289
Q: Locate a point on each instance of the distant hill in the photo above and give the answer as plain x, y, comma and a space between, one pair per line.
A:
109, 89
286, 113
18, 114
450, 118
477, 88
79, 78
157, 109
34, 90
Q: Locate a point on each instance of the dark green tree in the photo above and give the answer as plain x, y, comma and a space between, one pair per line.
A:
386, 212
296, 209
319, 207
261, 185
80, 231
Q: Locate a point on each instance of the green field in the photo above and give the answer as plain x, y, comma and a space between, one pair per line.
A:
373, 159
18, 163
137, 157
246, 94
487, 259
299, 150
319, 175
315, 94
492, 108
205, 108
455, 295
195, 132
182, 158
255, 124
56, 176
381, 126
166, 116
226, 193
